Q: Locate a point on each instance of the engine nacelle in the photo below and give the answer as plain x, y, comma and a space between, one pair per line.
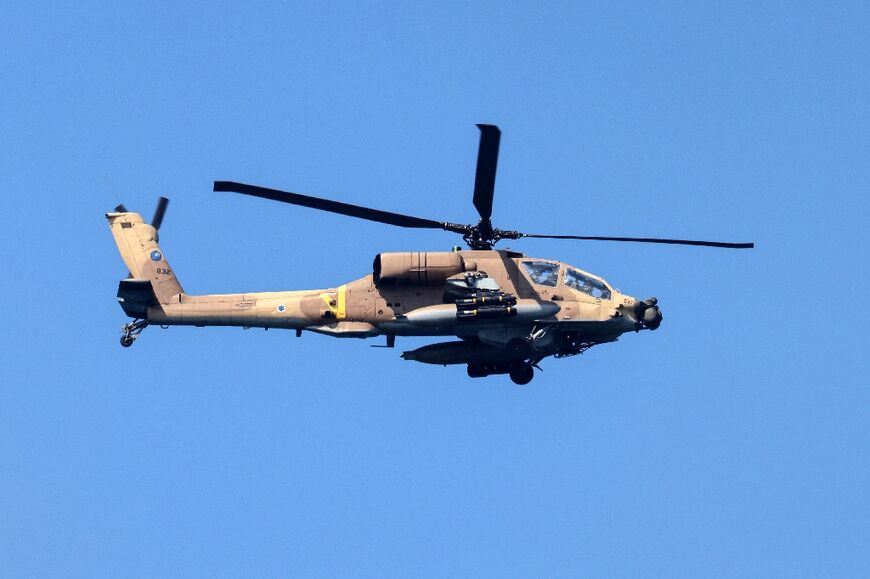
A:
417, 267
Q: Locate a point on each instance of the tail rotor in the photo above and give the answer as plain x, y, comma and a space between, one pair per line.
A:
157, 220
159, 212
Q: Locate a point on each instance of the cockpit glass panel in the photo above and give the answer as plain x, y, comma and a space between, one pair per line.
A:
542, 272
579, 281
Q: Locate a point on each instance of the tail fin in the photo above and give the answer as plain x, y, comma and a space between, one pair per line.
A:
137, 243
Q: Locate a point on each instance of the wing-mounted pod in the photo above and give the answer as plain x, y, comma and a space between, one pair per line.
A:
478, 296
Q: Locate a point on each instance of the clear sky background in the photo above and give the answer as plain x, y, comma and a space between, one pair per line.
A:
732, 442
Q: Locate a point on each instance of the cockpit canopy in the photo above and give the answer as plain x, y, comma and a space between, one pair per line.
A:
546, 273
542, 272
576, 279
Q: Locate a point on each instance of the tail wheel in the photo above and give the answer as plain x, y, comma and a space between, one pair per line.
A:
127, 341
522, 374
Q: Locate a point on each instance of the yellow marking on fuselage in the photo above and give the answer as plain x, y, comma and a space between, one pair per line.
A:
338, 306
328, 301
341, 312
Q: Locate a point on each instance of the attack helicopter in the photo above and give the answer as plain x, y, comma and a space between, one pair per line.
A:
509, 311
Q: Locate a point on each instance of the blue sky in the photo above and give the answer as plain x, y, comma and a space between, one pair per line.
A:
731, 442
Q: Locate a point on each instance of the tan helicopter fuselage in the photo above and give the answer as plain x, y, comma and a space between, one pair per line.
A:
404, 296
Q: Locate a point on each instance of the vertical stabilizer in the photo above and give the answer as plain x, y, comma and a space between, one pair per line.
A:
137, 243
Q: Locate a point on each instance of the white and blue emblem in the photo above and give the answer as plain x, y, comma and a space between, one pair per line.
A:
155, 255
280, 308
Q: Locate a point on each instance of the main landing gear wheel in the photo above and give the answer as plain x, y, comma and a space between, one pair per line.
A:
522, 374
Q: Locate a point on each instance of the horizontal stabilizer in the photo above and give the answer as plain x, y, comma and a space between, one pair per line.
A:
135, 296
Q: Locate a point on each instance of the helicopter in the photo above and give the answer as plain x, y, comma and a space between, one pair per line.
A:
509, 311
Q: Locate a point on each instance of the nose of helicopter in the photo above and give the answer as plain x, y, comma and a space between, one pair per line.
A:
652, 315
647, 314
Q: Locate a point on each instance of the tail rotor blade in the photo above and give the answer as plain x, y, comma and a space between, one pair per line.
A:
484, 179
162, 203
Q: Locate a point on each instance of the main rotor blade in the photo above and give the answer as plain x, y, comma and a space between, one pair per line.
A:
648, 240
162, 203
328, 205
484, 178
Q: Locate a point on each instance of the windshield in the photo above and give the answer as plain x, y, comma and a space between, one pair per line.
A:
542, 272
579, 281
